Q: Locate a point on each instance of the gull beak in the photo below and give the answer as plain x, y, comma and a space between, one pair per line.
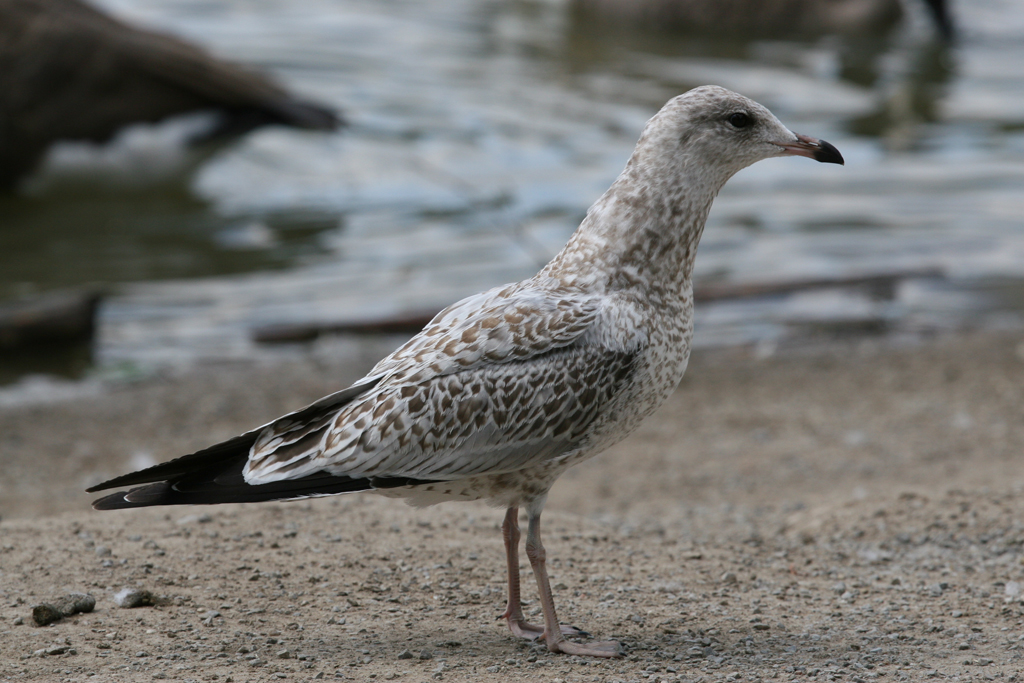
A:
812, 148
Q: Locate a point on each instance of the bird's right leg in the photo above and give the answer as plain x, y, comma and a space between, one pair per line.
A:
514, 610
554, 636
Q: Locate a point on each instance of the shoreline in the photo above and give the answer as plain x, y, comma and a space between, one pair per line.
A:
848, 512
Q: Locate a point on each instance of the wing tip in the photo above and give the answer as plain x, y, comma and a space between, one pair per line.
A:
144, 496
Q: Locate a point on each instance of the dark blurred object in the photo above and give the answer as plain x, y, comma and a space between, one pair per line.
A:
54, 318
761, 18
880, 285
70, 72
405, 323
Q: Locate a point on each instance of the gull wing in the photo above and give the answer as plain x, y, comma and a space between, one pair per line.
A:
498, 382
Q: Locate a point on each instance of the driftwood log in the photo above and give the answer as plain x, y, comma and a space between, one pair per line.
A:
752, 19
71, 72
52, 319
881, 286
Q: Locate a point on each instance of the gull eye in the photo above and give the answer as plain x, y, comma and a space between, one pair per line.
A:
739, 120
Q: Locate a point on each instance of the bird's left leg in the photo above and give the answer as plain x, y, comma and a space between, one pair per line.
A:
553, 634
514, 609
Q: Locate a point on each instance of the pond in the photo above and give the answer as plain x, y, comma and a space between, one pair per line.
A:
479, 133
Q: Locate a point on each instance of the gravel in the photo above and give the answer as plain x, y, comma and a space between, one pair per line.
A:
900, 559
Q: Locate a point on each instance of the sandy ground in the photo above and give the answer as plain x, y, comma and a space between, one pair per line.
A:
850, 513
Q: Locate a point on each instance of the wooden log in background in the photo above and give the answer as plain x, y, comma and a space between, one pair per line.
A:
881, 285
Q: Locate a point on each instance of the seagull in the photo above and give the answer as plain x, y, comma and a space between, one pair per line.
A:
503, 391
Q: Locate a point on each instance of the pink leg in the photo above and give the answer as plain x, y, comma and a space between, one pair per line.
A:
553, 636
514, 610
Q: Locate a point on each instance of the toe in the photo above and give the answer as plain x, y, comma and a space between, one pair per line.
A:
610, 649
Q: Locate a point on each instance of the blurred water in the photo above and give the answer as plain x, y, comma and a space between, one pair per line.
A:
481, 130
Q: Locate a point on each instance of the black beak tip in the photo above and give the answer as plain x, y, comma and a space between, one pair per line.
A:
828, 154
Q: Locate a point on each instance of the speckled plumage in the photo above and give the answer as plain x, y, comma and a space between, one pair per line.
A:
504, 390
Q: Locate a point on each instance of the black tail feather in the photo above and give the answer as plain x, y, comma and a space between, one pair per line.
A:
193, 492
209, 493
220, 458
214, 475
209, 460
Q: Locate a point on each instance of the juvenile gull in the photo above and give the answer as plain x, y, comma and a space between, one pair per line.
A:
504, 390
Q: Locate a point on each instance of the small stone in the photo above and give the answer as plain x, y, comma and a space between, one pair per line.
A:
103, 551
130, 598
284, 654
18, 621
426, 654
761, 627
72, 603
729, 578
493, 669
405, 654
203, 518
839, 588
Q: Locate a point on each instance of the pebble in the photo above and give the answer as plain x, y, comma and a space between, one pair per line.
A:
405, 654
129, 598
55, 610
203, 518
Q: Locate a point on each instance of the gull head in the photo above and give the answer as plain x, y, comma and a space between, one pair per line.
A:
713, 132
